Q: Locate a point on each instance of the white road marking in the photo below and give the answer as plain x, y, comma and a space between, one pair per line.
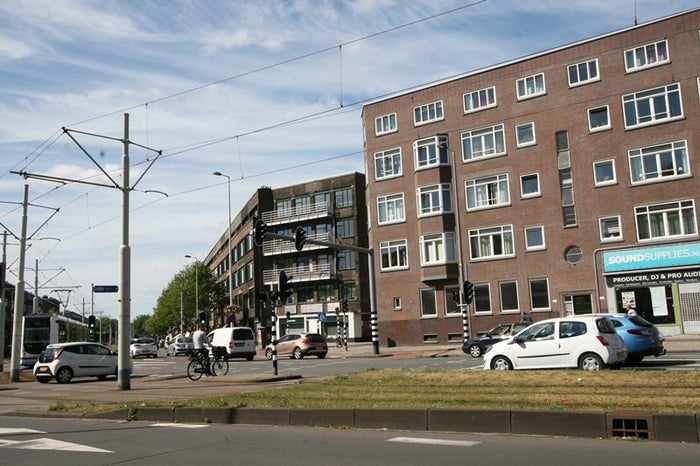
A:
434, 441
19, 430
175, 424
50, 444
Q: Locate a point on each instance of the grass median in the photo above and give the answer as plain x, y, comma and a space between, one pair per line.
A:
658, 391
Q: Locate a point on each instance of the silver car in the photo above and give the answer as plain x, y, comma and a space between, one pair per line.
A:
63, 361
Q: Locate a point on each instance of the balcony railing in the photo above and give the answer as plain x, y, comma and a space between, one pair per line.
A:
300, 274
282, 246
296, 214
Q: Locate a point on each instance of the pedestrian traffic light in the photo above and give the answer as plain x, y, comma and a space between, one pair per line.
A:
202, 319
345, 306
259, 232
285, 288
299, 238
455, 296
91, 322
468, 292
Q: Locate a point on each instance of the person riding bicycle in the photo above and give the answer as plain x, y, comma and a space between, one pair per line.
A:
199, 338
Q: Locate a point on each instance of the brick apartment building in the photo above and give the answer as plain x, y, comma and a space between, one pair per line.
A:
331, 210
566, 181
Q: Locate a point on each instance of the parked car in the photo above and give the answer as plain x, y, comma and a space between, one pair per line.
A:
179, 345
588, 342
478, 345
238, 341
143, 348
298, 345
641, 337
64, 361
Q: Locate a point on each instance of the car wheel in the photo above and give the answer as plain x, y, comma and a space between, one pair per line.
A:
268, 353
64, 375
101, 377
296, 354
475, 351
42, 379
590, 362
250, 358
321, 355
633, 360
501, 363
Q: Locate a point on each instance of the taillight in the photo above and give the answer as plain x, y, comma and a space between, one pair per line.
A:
305, 339
230, 345
639, 331
603, 341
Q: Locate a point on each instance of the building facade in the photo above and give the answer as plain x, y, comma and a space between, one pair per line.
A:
560, 183
330, 210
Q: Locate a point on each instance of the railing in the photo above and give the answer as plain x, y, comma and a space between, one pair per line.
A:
282, 246
300, 274
293, 214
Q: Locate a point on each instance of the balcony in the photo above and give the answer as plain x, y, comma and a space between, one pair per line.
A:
297, 214
314, 272
282, 246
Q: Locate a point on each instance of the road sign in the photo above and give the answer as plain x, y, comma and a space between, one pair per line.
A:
105, 288
321, 316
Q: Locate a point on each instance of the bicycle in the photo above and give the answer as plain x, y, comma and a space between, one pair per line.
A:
219, 363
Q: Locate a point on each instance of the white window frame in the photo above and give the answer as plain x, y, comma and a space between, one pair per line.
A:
517, 296
525, 195
423, 293
534, 247
631, 104
385, 124
530, 86
396, 251
430, 152
388, 160
585, 66
662, 156
607, 233
391, 208
530, 281
646, 56
481, 99
437, 248
485, 242
439, 197
662, 216
603, 127
484, 142
427, 113
521, 143
604, 182
487, 192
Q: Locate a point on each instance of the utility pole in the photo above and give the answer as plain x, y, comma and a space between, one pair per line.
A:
19, 295
3, 266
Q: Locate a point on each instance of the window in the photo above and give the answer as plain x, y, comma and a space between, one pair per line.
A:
604, 172
583, 73
482, 298
387, 164
525, 134
509, 296
345, 228
652, 106
437, 248
489, 191
348, 290
343, 197
434, 199
428, 305
532, 86
452, 304
534, 238
530, 185
427, 113
668, 220
493, 242
610, 229
325, 292
646, 56
599, 118
573, 255
572, 329
394, 254
390, 209
483, 142
346, 259
385, 124
284, 207
431, 152
397, 303
658, 163
539, 293
480, 100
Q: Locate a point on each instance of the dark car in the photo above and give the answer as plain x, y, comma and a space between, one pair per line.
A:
641, 337
478, 345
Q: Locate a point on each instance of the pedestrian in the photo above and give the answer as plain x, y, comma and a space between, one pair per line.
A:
526, 318
631, 311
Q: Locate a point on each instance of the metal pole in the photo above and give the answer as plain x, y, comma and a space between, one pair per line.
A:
35, 301
273, 334
182, 322
124, 363
3, 303
373, 303
463, 307
19, 296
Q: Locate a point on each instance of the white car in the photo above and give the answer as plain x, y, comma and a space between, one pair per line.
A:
63, 361
143, 347
179, 345
588, 342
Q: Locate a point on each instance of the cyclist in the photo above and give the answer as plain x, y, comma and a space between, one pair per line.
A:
199, 338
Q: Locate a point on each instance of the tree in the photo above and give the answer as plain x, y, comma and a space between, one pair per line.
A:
138, 326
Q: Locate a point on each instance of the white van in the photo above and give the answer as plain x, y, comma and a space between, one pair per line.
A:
238, 341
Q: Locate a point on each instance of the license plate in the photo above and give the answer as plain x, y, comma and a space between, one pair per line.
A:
620, 354
43, 369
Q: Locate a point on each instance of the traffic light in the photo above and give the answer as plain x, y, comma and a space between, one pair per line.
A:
468, 292
299, 238
202, 319
455, 296
262, 295
285, 288
345, 306
259, 233
91, 323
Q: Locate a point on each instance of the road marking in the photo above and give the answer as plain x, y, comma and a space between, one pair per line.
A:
183, 426
49, 444
19, 430
434, 441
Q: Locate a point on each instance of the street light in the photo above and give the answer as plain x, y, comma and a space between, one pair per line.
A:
196, 281
230, 265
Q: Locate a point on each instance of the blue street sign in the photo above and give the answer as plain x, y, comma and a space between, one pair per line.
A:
321, 316
105, 288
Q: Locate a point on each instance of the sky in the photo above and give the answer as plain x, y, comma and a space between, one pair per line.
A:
269, 93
